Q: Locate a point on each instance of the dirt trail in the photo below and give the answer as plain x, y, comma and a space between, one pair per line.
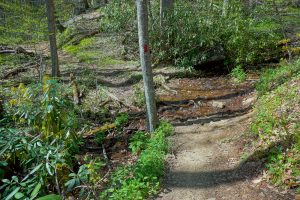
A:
205, 164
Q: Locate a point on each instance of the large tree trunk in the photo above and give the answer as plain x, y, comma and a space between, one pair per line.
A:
165, 6
142, 15
52, 37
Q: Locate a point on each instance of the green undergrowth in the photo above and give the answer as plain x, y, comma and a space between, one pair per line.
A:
272, 78
277, 125
191, 37
13, 59
239, 74
87, 52
141, 180
75, 49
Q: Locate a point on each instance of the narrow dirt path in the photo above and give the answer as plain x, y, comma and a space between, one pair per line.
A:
205, 162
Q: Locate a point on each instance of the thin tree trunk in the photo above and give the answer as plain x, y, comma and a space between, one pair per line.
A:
52, 37
225, 7
142, 15
1, 108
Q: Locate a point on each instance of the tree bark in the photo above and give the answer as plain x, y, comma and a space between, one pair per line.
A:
86, 4
59, 26
165, 5
145, 59
1, 108
225, 7
52, 37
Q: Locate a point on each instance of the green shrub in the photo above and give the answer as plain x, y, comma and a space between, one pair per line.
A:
141, 180
39, 141
238, 74
37, 159
118, 15
44, 108
138, 141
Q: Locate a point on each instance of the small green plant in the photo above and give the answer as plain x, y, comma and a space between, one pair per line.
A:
87, 178
99, 138
138, 141
121, 120
37, 159
238, 74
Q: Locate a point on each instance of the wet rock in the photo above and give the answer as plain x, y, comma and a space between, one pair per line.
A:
262, 194
249, 100
256, 181
218, 104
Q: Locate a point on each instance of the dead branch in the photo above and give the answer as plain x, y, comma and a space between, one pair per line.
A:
104, 103
106, 158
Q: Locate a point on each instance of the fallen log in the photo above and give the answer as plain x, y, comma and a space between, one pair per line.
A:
100, 129
106, 158
18, 50
17, 70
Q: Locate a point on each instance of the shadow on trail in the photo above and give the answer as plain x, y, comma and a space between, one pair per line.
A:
212, 117
207, 179
246, 170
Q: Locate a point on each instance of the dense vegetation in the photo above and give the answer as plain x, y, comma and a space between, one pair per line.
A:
58, 135
277, 123
39, 141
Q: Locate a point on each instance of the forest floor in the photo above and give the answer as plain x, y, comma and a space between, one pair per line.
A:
211, 116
